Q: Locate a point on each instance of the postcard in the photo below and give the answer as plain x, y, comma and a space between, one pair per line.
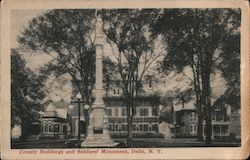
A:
111, 79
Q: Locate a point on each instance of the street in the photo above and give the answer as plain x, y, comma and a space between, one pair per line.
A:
135, 143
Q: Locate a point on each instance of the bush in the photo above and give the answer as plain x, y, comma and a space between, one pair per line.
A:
119, 135
138, 135
148, 135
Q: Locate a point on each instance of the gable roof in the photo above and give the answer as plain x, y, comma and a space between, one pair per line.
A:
58, 109
187, 106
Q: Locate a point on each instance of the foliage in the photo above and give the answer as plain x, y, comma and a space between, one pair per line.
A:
128, 32
67, 36
230, 68
27, 92
198, 39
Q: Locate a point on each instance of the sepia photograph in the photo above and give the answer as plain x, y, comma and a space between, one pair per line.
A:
124, 80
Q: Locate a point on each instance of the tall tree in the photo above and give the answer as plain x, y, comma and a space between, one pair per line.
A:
27, 94
230, 68
128, 32
68, 37
195, 38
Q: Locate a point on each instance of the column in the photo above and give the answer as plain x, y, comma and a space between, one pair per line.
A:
220, 130
99, 74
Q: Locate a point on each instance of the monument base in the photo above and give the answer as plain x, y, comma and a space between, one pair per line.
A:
98, 143
98, 140
98, 133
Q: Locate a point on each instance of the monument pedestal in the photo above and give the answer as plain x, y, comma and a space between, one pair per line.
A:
98, 133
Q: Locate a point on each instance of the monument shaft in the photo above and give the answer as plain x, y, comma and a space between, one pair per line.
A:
98, 133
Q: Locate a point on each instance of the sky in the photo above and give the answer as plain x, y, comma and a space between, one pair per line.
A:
21, 18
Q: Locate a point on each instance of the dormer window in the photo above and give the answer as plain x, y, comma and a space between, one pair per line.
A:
116, 91
150, 84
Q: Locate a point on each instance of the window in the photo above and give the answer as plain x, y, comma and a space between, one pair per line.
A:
64, 129
213, 117
116, 91
110, 127
109, 112
145, 127
116, 112
119, 127
57, 128
154, 127
224, 129
216, 129
143, 111
51, 128
192, 116
150, 127
124, 112
221, 117
154, 111
193, 128
218, 116
45, 127
124, 127
140, 127
150, 84
134, 127
116, 127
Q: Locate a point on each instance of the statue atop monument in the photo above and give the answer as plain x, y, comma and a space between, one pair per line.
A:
99, 25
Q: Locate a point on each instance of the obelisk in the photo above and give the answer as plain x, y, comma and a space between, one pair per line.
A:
98, 133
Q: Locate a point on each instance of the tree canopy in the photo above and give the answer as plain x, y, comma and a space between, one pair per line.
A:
128, 32
27, 92
67, 36
200, 39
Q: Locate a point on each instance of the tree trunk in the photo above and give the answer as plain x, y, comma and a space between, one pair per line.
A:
198, 103
25, 128
129, 119
130, 127
200, 127
208, 114
199, 112
206, 90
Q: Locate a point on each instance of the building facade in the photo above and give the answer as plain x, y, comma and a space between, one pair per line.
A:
145, 120
146, 112
187, 122
54, 123
220, 123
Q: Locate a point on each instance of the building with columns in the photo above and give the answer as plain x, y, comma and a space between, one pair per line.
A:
54, 121
186, 120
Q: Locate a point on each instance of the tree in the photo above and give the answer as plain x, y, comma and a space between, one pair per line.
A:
195, 38
27, 94
230, 68
128, 32
68, 37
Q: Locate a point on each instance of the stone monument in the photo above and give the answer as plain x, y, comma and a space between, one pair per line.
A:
98, 134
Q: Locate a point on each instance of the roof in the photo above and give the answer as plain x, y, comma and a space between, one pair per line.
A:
62, 113
51, 108
57, 109
187, 106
